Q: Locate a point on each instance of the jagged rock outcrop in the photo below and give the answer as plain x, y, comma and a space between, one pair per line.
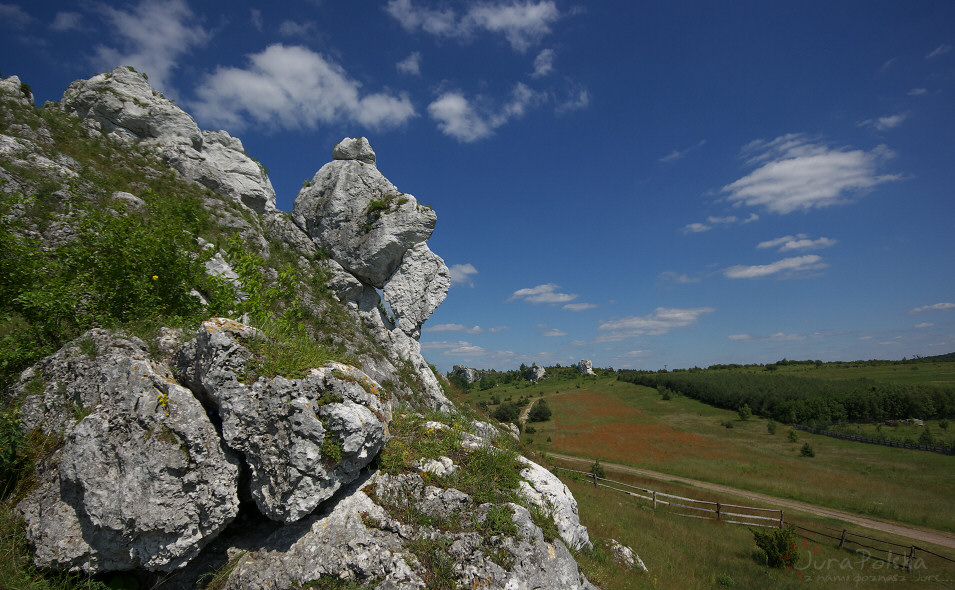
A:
534, 372
301, 438
122, 104
375, 232
585, 367
545, 490
142, 480
13, 87
467, 373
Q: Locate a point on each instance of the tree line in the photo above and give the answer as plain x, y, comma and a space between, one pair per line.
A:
803, 400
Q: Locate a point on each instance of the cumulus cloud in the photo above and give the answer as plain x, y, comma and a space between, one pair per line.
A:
797, 242
462, 274
924, 325
411, 64
796, 173
788, 266
469, 121
552, 333
522, 24
460, 348
696, 228
155, 34
936, 307
661, 321
547, 293
293, 87
66, 21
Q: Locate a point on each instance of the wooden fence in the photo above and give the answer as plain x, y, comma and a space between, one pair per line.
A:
691, 508
945, 450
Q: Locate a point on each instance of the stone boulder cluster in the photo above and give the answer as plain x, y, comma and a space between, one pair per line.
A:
176, 459
585, 367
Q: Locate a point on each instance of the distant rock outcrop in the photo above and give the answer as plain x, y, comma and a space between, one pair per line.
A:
534, 372
585, 367
467, 373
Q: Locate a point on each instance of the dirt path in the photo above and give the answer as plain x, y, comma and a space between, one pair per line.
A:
928, 536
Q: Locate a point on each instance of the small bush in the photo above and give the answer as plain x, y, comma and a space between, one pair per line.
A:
807, 451
744, 412
597, 469
793, 435
771, 427
778, 545
540, 411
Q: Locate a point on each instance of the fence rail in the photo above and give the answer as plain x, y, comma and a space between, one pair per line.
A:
691, 507
906, 557
945, 450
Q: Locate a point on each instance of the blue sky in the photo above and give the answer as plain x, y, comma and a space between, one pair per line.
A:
641, 184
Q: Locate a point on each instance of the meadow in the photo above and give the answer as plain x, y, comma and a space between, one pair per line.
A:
615, 421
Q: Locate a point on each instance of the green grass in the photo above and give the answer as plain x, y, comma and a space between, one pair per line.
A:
688, 554
628, 424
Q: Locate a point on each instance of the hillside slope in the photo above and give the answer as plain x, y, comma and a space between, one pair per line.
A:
145, 432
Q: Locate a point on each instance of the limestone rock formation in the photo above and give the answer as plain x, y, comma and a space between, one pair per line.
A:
121, 103
375, 232
534, 372
301, 438
142, 480
585, 367
544, 489
467, 373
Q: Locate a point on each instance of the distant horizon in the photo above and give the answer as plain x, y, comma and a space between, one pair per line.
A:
679, 184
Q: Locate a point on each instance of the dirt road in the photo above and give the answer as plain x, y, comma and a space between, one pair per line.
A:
925, 535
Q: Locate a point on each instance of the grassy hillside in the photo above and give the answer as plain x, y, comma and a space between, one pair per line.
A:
633, 425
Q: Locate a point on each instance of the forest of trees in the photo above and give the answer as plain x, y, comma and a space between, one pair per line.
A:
803, 400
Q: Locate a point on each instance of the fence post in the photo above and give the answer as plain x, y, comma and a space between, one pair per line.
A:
842, 541
595, 477
908, 566
780, 519
654, 501
717, 511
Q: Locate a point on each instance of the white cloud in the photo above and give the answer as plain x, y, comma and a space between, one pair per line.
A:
798, 174
294, 88
411, 64
797, 242
777, 337
670, 276
543, 63
460, 348
463, 120
790, 266
885, 123
154, 35
454, 328
579, 306
940, 50
66, 21
546, 293
936, 307
291, 28
695, 228
552, 333
523, 24
924, 325
462, 274
13, 15
577, 98
918, 92
661, 321
679, 155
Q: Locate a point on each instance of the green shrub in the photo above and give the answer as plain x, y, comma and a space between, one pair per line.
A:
779, 545
507, 412
540, 411
807, 451
793, 435
771, 427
